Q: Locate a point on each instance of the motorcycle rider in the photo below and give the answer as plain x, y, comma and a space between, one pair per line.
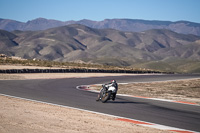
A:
114, 84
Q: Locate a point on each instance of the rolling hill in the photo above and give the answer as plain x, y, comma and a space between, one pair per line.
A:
156, 49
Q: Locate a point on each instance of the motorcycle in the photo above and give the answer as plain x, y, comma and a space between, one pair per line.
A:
106, 93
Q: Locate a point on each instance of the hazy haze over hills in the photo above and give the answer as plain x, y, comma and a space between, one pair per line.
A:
134, 25
156, 49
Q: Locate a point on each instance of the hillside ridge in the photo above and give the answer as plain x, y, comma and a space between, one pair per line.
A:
132, 25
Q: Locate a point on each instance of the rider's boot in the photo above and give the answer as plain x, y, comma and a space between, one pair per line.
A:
114, 96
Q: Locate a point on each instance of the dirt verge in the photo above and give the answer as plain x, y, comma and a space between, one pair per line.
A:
55, 75
21, 116
181, 90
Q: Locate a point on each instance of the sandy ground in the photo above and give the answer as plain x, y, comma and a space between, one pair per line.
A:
180, 90
21, 116
54, 75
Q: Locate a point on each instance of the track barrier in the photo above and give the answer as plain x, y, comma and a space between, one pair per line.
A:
74, 70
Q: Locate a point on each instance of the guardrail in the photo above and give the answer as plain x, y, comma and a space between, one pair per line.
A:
75, 70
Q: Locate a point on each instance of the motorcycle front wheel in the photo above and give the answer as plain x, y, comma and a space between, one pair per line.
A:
105, 96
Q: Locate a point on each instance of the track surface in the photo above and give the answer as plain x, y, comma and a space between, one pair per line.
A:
64, 92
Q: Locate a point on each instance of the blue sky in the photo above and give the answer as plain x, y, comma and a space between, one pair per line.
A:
64, 10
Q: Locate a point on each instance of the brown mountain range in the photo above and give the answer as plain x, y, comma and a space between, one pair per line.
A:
155, 49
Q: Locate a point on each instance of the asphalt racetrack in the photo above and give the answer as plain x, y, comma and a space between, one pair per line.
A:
64, 92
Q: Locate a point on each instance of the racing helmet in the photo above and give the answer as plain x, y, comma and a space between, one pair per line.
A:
113, 81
